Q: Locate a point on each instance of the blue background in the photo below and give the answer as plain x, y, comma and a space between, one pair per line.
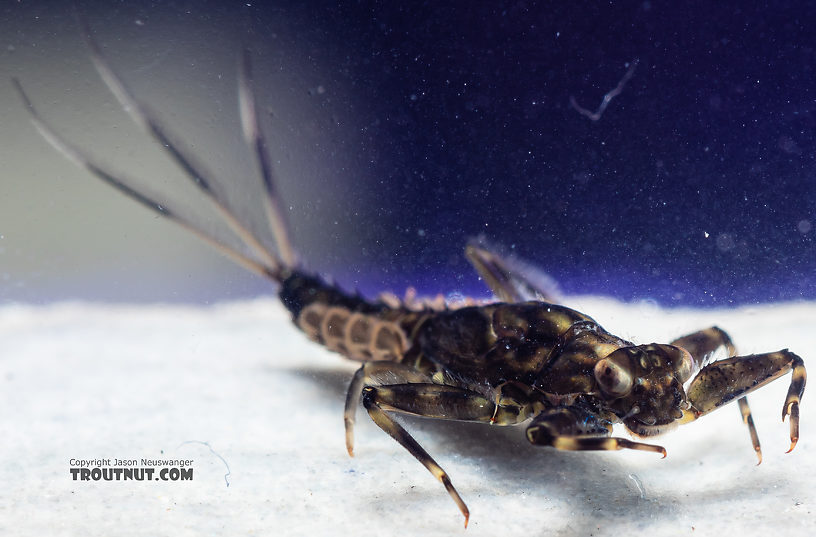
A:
696, 186
445, 121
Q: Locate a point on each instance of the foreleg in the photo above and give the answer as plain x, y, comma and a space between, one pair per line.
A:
725, 380
702, 346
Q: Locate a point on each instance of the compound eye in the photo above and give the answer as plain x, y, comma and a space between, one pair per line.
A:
683, 365
613, 378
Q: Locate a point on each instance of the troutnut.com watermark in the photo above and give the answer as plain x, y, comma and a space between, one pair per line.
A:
131, 469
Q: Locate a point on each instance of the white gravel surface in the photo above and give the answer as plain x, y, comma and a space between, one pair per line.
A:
96, 381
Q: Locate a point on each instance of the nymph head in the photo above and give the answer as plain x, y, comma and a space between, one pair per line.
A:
644, 385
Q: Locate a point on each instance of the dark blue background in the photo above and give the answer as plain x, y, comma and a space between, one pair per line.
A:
697, 186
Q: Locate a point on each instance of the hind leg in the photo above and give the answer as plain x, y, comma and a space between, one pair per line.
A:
430, 400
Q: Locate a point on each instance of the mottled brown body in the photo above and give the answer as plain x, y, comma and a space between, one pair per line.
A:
552, 347
524, 359
347, 324
545, 354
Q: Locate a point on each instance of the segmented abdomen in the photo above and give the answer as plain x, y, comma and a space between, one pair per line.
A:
348, 324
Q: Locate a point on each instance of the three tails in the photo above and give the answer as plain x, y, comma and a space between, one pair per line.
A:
276, 265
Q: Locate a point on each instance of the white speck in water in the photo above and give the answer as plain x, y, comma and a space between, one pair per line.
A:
705, 233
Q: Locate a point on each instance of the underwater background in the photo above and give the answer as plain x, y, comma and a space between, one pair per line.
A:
403, 130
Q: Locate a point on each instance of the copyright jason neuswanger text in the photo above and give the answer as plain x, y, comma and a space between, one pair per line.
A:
131, 469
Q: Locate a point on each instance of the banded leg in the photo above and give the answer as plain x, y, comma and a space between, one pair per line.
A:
442, 402
511, 279
722, 381
375, 374
702, 345
573, 428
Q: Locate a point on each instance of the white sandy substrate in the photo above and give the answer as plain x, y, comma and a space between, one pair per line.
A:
91, 381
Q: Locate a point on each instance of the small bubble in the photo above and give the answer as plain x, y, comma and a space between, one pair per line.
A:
725, 242
804, 227
455, 298
648, 307
788, 145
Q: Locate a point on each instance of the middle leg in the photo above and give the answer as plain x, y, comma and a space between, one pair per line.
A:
575, 428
